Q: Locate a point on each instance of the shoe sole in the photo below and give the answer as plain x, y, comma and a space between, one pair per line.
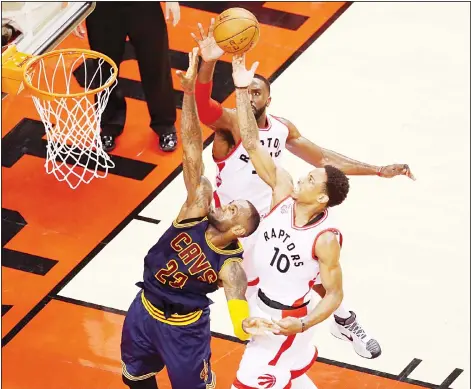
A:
357, 345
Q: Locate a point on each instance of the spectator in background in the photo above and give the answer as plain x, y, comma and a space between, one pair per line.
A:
144, 23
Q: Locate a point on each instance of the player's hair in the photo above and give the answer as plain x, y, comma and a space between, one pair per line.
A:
337, 185
264, 80
253, 220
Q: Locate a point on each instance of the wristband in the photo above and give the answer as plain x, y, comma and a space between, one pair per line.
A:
303, 325
379, 171
239, 311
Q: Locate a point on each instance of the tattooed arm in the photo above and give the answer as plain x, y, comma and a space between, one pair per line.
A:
234, 281
278, 179
198, 188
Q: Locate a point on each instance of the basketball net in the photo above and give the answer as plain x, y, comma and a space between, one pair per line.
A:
70, 89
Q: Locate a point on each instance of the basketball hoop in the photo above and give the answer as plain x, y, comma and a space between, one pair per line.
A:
70, 89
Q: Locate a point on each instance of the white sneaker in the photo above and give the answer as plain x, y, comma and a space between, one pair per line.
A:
352, 331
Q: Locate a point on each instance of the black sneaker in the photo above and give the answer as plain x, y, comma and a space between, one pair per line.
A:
108, 142
168, 142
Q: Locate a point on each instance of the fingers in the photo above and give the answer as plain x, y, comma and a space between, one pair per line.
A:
176, 15
201, 29
194, 59
167, 12
254, 67
236, 60
195, 38
180, 75
407, 172
282, 324
211, 28
79, 31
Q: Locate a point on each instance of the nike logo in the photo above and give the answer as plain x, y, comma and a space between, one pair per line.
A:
349, 337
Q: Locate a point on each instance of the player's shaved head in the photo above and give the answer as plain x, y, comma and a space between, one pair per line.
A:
249, 218
265, 81
239, 215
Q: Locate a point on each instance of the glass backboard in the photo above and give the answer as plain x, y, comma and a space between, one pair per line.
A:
38, 27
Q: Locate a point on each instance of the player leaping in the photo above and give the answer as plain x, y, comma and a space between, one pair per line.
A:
168, 322
236, 175
297, 242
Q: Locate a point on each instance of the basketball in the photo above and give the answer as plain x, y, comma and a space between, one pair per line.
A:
236, 30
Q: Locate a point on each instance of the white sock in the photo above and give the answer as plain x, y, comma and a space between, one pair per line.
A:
342, 312
303, 382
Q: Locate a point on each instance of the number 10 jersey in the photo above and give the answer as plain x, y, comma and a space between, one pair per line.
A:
284, 256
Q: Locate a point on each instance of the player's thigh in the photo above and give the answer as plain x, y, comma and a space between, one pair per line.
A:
302, 353
187, 355
260, 365
139, 355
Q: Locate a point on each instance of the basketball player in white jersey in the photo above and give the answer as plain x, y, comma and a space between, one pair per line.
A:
236, 175
297, 242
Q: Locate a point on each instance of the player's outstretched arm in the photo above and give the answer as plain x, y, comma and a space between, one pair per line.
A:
327, 251
319, 157
276, 178
192, 141
210, 111
234, 281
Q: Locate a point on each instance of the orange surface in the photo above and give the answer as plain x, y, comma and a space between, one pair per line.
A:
73, 347
66, 225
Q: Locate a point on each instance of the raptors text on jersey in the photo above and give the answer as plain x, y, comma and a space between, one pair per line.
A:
236, 176
284, 258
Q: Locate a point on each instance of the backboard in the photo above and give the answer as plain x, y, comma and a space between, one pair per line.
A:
38, 27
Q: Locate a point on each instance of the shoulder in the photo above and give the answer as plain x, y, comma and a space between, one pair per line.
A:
286, 122
232, 269
327, 245
293, 131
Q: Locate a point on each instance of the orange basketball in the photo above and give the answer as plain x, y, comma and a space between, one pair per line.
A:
236, 30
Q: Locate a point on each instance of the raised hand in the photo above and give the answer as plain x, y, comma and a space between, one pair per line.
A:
188, 79
210, 51
242, 77
390, 171
173, 8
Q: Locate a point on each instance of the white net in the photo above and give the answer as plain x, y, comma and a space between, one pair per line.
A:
71, 112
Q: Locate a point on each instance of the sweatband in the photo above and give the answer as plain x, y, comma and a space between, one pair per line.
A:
239, 311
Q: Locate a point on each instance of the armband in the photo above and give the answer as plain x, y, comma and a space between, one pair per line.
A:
239, 311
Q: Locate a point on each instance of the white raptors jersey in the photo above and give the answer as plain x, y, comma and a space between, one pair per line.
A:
236, 177
284, 256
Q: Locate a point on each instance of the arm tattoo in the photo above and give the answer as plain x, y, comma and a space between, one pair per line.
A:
247, 123
235, 283
192, 142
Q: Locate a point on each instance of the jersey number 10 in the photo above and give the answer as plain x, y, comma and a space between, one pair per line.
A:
282, 262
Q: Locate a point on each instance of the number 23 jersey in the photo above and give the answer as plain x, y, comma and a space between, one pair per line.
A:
183, 266
284, 256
